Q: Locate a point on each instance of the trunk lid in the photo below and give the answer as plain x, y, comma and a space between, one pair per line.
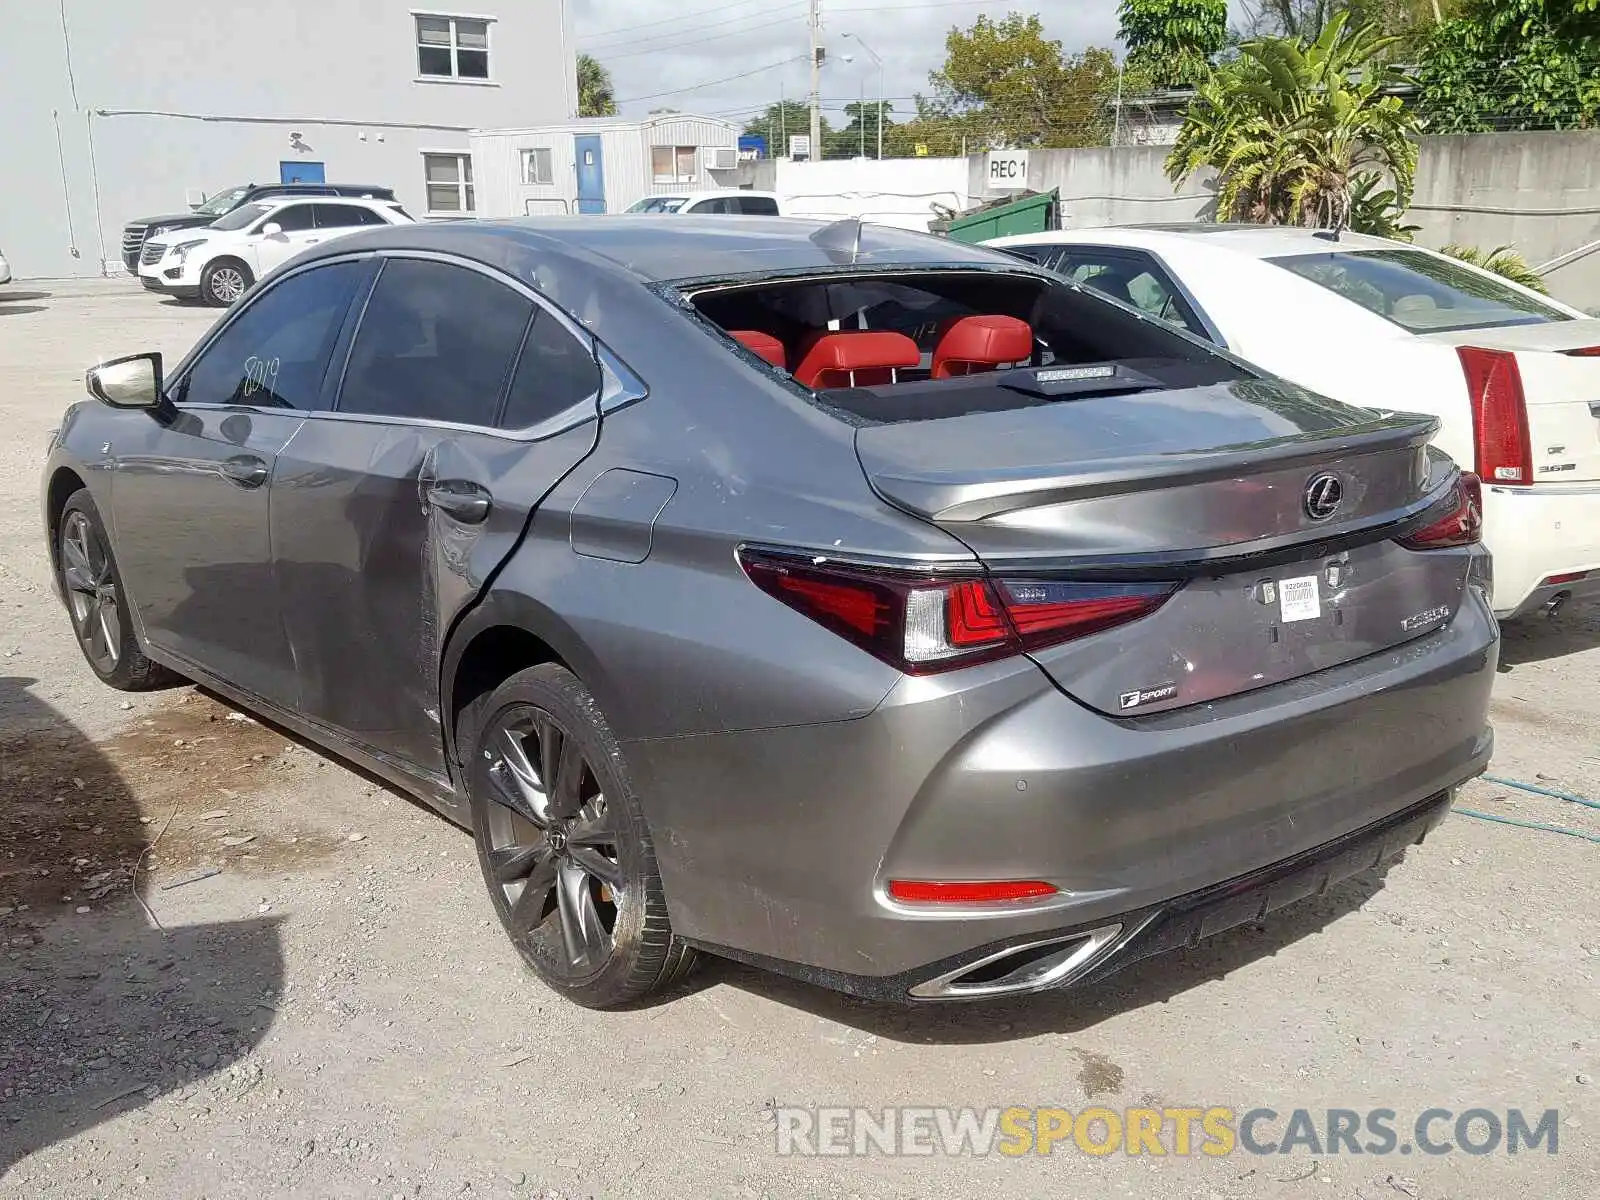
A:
1561, 389
1211, 487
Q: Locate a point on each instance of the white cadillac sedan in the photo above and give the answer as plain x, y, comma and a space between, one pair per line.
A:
1513, 375
218, 262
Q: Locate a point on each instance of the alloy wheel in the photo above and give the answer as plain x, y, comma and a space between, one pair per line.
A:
552, 842
91, 593
227, 284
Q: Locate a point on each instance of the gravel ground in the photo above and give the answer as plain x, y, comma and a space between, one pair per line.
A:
307, 997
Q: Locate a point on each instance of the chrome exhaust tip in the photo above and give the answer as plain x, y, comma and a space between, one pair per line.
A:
1553, 605
1030, 967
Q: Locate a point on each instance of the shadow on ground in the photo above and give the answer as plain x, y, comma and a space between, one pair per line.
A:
1536, 639
1151, 981
101, 1010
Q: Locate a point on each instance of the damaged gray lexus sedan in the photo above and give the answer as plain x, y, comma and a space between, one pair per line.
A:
858, 604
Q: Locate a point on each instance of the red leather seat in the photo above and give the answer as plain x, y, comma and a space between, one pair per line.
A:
764, 344
856, 358
981, 343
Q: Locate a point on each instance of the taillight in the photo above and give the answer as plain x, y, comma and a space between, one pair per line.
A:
1584, 352
922, 624
1499, 415
1462, 527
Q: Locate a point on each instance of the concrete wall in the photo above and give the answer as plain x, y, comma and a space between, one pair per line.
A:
118, 111
899, 191
1539, 192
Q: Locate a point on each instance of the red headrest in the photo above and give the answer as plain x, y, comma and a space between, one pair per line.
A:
981, 344
856, 358
764, 344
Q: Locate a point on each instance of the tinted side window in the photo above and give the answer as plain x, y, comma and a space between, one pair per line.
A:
344, 216
1133, 279
274, 353
436, 343
556, 371
292, 218
758, 206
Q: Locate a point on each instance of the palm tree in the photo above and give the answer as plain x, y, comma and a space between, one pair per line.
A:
596, 96
1296, 131
1504, 261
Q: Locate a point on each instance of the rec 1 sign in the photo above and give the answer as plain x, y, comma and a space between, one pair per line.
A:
1008, 170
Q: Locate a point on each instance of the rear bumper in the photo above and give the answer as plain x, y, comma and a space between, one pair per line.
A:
1094, 952
777, 846
1536, 532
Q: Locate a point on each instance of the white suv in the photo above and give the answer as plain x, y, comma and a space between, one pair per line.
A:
217, 263
738, 202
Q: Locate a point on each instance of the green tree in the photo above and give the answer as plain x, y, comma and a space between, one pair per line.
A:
1513, 64
1173, 41
1298, 131
862, 131
1306, 19
1005, 84
780, 119
596, 96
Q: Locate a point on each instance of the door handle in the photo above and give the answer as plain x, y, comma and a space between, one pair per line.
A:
461, 499
245, 470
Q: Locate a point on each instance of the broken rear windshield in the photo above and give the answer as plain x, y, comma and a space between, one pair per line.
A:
865, 338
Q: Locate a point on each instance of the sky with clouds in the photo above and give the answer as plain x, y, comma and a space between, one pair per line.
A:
707, 55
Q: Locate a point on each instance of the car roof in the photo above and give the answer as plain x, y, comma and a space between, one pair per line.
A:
659, 248
1256, 241
301, 198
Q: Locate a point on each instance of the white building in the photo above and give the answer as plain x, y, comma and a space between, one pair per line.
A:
116, 111
600, 164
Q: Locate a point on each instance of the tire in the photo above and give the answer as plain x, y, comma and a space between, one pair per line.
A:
571, 873
224, 281
97, 603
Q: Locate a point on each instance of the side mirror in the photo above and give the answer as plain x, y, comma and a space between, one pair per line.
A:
130, 382
272, 229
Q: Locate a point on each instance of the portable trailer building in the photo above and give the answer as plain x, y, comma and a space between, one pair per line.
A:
600, 164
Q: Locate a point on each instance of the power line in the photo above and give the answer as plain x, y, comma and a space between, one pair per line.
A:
658, 48
588, 38
705, 83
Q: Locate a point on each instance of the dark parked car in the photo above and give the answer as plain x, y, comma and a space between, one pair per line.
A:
878, 609
224, 202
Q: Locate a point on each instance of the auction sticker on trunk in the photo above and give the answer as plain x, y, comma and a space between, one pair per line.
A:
1297, 599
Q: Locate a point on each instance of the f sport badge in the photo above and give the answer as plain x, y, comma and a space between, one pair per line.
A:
1146, 696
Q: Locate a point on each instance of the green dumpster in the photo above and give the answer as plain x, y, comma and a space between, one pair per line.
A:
1033, 213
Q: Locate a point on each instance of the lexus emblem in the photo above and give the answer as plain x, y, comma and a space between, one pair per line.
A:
1323, 495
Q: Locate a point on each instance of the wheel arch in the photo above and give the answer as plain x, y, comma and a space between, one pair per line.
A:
506, 633
64, 483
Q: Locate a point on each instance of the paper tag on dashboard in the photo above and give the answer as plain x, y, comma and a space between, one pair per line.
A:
1297, 599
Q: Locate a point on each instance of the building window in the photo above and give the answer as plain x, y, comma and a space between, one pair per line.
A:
449, 178
452, 48
538, 167
673, 164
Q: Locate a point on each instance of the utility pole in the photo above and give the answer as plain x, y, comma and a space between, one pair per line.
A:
816, 79
1116, 128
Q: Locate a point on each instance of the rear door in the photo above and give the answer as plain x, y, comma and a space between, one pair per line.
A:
464, 400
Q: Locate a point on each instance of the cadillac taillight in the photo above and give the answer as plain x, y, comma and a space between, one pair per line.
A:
1499, 415
923, 624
